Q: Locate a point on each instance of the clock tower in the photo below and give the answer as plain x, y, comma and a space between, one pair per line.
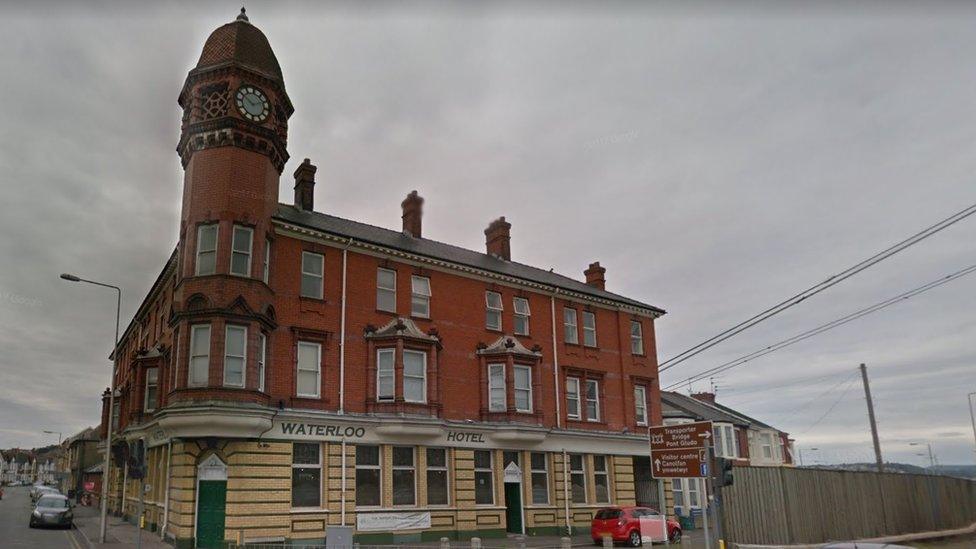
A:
233, 147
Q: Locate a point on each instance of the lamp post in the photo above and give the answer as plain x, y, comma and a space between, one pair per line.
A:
57, 467
111, 400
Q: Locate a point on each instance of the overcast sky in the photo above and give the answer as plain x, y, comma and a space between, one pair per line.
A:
714, 161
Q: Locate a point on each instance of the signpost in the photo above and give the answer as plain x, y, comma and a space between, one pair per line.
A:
683, 451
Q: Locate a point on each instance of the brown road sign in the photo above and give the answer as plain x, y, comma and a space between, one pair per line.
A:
679, 437
686, 463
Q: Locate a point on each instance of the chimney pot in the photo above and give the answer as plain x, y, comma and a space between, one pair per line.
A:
595, 275
498, 238
305, 186
704, 397
413, 213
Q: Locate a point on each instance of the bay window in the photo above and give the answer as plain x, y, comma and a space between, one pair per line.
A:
240, 254
592, 400
235, 355
573, 398
262, 359
414, 376
199, 370
523, 388
206, 263
385, 374
152, 389
496, 388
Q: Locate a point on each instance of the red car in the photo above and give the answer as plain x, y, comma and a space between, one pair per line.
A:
624, 524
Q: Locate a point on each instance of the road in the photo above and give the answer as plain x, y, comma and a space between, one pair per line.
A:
15, 511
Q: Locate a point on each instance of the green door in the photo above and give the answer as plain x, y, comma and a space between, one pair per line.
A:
210, 513
513, 507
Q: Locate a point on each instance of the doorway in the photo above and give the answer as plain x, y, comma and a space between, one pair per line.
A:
211, 502
513, 507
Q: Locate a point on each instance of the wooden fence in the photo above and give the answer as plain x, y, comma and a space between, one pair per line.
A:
781, 505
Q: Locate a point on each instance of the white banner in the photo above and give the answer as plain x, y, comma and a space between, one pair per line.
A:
366, 522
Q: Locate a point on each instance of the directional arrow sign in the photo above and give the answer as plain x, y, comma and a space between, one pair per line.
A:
679, 437
685, 463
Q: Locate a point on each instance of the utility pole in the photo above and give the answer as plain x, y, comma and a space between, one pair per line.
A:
874, 424
972, 415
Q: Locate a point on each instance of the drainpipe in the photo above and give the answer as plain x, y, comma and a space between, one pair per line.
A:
342, 342
555, 356
343, 498
162, 531
569, 529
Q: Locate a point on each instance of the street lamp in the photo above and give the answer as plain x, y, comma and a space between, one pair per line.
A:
54, 433
111, 399
931, 455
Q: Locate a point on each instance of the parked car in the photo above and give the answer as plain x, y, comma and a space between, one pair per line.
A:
52, 510
37, 492
623, 524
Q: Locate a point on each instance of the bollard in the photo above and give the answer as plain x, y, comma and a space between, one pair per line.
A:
607, 542
648, 544
475, 543
445, 543
565, 543
521, 541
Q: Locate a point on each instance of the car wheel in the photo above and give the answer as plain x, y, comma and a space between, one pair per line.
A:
634, 539
675, 536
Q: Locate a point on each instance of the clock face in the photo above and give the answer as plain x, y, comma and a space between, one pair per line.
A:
252, 103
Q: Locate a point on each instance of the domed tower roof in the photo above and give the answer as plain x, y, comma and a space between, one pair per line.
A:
243, 44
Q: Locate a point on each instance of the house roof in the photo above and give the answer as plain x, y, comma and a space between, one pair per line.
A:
685, 406
433, 249
752, 421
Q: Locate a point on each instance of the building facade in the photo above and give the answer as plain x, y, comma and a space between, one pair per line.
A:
291, 371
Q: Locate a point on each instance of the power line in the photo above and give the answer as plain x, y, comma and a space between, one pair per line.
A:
825, 327
831, 409
817, 288
732, 393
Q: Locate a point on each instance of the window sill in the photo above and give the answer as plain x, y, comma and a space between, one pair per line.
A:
385, 312
313, 299
307, 510
418, 317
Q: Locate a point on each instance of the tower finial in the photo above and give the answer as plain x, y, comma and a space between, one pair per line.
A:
243, 15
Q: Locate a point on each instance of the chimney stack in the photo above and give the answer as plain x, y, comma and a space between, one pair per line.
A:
704, 397
594, 276
305, 185
413, 212
497, 239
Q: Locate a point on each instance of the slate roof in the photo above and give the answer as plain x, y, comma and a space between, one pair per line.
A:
685, 406
752, 421
433, 249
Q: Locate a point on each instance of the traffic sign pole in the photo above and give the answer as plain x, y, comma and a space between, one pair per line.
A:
708, 508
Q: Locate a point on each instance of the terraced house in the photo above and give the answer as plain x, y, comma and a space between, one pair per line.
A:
292, 371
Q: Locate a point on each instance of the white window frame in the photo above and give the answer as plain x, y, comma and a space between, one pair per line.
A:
595, 400
491, 470
493, 311
581, 472
517, 389
766, 445
380, 289
422, 377
380, 374
234, 251
262, 359
604, 473
200, 251
320, 277
318, 368
545, 474
243, 356
194, 330
418, 295
266, 269
521, 314
378, 467
640, 404
447, 475
411, 467
146, 404
637, 339
570, 325
491, 406
589, 331
308, 466
575, 381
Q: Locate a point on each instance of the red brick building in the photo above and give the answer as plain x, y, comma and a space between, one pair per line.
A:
292, 371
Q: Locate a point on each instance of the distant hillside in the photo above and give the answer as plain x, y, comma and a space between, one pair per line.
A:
962, 471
